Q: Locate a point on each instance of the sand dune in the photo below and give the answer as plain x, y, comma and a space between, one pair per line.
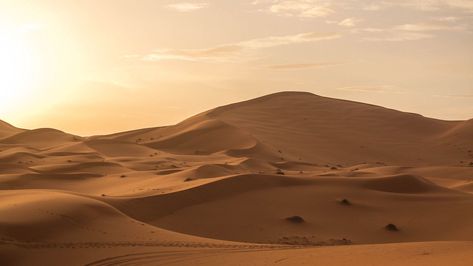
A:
40, 138
259, 181
327, 130
7, 130
260, 204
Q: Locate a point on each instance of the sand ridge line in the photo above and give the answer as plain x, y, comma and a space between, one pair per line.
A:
112, 244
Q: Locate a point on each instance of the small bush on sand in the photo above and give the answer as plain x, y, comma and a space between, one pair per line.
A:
345, 202
391, 227
295, 219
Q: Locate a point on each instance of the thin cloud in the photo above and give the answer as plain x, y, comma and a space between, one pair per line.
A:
321, 8
464, 96
298, 8
428, 27
447, 19
398, 36
273, 41
218, 52
372, 89
230, 52
349, 22
408, 32
187, 6
422, 5
301, 66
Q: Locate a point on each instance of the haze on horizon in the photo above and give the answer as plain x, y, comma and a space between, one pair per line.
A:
70, 65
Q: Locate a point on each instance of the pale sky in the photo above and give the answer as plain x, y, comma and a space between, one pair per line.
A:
101, 66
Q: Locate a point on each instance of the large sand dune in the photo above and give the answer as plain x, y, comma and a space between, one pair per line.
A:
261, 181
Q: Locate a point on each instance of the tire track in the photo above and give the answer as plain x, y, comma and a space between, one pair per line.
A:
182, 252
166, 257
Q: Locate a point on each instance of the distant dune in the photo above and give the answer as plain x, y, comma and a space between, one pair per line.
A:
305, 127
262, 181
7, 130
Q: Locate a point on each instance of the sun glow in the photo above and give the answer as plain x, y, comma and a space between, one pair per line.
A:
19, 68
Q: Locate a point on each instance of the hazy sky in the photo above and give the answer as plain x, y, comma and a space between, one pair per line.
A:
96, 66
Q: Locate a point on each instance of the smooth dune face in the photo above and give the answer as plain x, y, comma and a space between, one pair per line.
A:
252, 181
7, 130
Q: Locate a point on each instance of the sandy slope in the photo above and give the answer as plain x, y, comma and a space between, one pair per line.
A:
7, 130
224, 182
253, 208
418, 254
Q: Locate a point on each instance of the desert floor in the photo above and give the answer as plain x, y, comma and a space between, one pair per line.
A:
286, 179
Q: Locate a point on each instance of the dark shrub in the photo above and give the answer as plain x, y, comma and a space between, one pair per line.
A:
345, 202
295, 219
391, 227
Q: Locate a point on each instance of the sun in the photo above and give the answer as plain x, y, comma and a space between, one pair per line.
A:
19, 69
